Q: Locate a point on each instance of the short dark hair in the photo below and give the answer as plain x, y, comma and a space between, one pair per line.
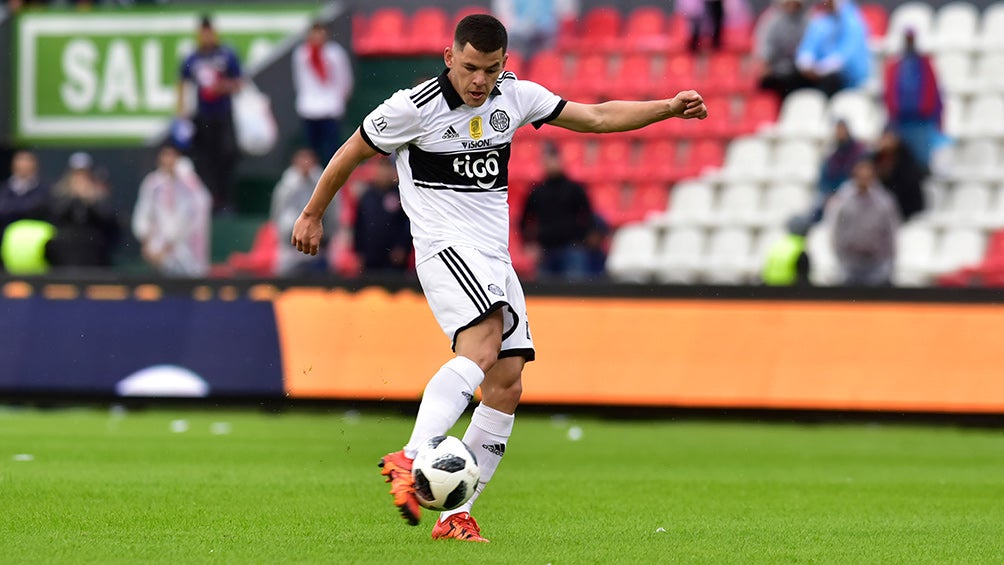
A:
206, 22
484, 32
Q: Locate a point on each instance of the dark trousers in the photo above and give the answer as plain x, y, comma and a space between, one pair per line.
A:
785, 84
322, 137
714, 12
214, 154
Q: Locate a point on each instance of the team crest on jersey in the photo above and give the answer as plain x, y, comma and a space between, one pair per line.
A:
494, 289
499, 121
475, 128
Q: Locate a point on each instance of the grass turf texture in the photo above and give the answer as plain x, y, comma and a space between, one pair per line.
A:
304, 487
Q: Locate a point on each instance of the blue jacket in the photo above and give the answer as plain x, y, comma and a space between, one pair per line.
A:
837, 42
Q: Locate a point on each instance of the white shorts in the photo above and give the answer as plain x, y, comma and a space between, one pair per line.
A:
464, 286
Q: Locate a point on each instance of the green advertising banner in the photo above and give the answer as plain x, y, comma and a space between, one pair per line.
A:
110, 77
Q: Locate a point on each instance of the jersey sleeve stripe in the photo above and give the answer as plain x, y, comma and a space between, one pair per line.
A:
426, 98
425, 90
366, 138
552, 115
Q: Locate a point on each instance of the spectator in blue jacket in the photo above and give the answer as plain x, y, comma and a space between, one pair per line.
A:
833, 54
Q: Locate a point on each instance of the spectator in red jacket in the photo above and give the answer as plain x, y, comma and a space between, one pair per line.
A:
913, 99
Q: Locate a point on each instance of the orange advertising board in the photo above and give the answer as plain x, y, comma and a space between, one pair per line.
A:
666, 352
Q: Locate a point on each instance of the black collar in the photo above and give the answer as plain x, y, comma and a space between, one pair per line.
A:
453, 100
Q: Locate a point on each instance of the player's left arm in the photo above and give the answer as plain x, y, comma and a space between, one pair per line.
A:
624, 115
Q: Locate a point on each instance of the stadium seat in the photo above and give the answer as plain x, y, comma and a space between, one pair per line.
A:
864, 117
261, 259
725, 74
677, 74
515, 64
679, 33
632, 253
613, 163
592, 79
955, 27
803, 115
728, 256
915, 245
648, 200
953, 116
782, 201
918, 16
525, 161
795, 160
759, 109
646, 31
634, 78
954, 72
737, 38
738, 205
960, 247
680, 256
599, 31
386, 34
657, 162
574, 157
548, 69
824, 270
977, 160
703, 155
984, 117
430, 31
967, 206
989, 74
876, 20
746, 159
991, 36
690, 204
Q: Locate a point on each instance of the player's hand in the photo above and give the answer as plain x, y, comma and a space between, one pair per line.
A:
307, 234
688, 105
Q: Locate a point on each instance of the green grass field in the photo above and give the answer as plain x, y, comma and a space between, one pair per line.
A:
113, 487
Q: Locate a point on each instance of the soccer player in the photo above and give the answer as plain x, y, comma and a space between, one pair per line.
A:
451, 135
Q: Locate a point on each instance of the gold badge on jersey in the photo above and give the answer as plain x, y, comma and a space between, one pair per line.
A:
475, 127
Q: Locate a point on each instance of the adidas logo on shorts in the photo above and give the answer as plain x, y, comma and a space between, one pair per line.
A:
451, 133
496, 448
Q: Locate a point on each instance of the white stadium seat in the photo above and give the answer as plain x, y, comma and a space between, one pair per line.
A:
959, 248
795, 160
632, 253
991, 37
728, 257
680, 256
977, 160
955, 72
989, 74
915, 246
823, 267
690, 203
782, 201
968, 204
984, 117
955, 27
746, 159
803, 115
738, 205
917, 16
953, 118
862, 113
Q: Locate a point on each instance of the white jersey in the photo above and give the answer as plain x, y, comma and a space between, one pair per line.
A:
453, 160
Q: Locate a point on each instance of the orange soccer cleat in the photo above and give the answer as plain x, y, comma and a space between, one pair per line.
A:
397, 468
458, 526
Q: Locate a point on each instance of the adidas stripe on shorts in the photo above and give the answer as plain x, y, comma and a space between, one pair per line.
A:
464, 286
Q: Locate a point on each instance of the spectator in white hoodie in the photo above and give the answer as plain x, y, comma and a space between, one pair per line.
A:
288, 199
172, 217
322, 77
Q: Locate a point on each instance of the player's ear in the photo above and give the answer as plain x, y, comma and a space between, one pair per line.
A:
505, 59
448, 56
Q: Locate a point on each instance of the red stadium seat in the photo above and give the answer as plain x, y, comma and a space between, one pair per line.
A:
599, 31
430, 33
514, 63
737, 38
657, 163
386, 33
260, 260
646, 30
759, 109
721, 123
876, 19
679, 34
702, 154
548, 69
524, 161
592, 80
467, 11
678, 74
725, 73
613, 162
607, 200
573, 156
634, 78
648, 198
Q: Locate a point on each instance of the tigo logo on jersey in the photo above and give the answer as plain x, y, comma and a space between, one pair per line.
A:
499, 121
483, 170
475, 127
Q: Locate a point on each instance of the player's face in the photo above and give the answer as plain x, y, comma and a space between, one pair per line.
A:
473, 73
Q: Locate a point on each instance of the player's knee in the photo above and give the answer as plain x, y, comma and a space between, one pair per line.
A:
502, 396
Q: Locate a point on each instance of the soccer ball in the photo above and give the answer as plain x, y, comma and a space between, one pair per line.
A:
445, 472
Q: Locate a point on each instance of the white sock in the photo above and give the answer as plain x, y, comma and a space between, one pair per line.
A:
487, 436
445, 398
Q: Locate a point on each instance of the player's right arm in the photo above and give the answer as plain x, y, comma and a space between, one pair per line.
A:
308, 231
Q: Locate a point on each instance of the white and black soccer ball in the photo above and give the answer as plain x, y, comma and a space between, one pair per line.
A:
446, 473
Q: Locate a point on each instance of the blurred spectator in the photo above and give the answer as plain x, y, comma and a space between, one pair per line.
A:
87, 227
216, 73
322, 77
382, 234
704, 16
787, 262
777, 36
23, 195
837, 166
288, 199
833, 53
532, 24
865, 221
913, 99
900, 172
172, 217
558, 225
